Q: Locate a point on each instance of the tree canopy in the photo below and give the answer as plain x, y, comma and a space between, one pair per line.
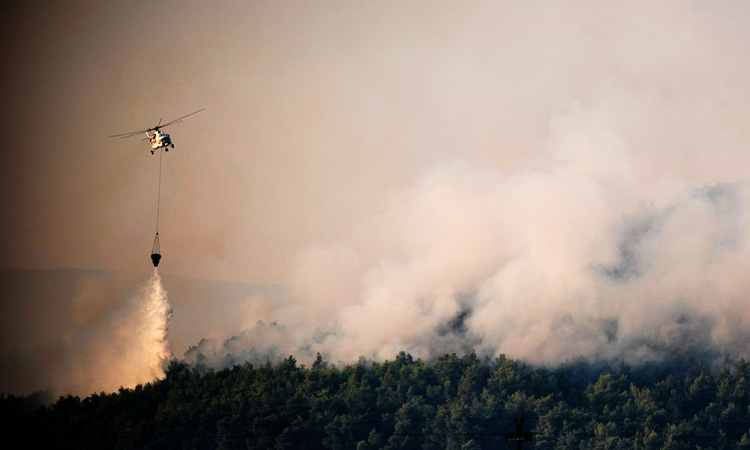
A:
455, 402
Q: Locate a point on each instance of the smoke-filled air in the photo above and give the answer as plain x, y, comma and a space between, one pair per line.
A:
548, 181
587, 254
115, 341
126, 347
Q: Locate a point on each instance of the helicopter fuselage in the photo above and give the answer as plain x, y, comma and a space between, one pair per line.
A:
159, 140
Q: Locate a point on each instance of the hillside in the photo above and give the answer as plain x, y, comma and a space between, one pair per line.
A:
451, 403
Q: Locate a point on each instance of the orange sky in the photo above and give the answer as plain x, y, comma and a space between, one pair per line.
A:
318, 112
388, 165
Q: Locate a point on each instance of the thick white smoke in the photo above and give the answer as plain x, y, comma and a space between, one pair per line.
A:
591, 253
122, 345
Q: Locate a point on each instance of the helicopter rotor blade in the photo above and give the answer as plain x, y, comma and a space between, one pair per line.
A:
131, 133
170, 123
158, 125
176, 120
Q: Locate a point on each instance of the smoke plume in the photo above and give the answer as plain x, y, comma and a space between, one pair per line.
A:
545, 180
590, 253
124, 347
115, 337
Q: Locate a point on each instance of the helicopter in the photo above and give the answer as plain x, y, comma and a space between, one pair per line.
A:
158, 138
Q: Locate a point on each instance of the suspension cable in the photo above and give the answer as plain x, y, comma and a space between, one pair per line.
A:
158, 198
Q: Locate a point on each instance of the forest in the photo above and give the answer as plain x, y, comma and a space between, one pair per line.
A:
453, 402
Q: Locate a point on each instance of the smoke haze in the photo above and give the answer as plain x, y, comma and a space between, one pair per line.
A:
126, 347
79, 331
583, 258
548, 181
108, 337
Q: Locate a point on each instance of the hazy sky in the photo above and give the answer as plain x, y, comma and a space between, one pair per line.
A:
397, 163
317, 113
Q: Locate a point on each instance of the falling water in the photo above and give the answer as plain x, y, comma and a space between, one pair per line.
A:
152, 331
124, 347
